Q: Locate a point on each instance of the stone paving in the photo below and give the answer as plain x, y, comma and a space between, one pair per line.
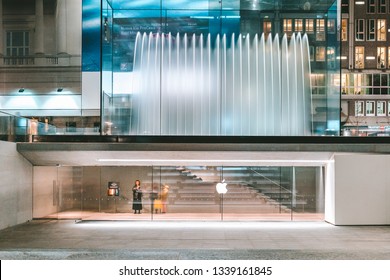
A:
169, 240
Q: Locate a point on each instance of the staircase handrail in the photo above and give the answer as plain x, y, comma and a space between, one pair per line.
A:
272, 181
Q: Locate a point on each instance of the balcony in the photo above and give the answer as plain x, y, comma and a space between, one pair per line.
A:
42, 60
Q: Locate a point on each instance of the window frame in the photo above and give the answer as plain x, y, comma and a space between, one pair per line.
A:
359, 29
298, 25
320, 29
309, 26
383, 109
371, 6
381, 30
359, 108
359, 55
288, 26
321, 58
15, 50
344, 29
371, 30
381, 57
382, 7
370, 105
267, 27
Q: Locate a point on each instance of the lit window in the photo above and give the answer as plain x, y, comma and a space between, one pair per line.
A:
371, 6
370, 109
358, 84
267, 28
287, 26
320, 31
381, 108
381, 29
381, 57
320, 53
344, 29
299, 25
359, 57
359, 30
344, 83
310, 26
388, 57
359, 107
318, 83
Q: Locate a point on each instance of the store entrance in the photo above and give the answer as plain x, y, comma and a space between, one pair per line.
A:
205, 193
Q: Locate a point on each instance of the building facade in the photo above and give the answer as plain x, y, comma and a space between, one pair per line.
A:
288, 176
365, 63
40, 66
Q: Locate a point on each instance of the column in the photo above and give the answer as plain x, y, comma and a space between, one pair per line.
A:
320, 189
39, 27
1, 29
61, 27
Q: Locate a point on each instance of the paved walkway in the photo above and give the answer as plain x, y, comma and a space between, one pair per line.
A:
142, 240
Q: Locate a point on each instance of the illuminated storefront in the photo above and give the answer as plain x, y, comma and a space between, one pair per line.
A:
206, 68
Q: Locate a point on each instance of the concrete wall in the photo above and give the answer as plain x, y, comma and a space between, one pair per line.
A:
15, 186
330, 193
361, 190
45, 198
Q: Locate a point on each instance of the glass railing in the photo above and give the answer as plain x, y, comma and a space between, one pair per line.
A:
14, 128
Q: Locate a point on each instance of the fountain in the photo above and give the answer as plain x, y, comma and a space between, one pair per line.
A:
241, 85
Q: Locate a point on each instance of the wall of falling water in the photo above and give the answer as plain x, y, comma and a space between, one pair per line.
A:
243, 85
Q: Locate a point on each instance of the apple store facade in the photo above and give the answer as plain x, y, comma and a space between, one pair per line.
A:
222, 109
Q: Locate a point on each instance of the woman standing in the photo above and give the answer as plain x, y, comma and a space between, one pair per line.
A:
137, 197
164, 197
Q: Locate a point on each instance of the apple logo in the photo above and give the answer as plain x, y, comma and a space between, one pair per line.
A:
221, 187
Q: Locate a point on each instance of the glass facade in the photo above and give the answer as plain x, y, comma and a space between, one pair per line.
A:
258, 193
220, 68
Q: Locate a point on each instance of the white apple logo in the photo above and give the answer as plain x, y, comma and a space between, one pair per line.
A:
221, 187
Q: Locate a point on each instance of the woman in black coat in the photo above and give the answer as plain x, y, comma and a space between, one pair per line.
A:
137, 197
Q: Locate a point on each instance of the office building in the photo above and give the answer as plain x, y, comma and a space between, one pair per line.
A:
365, 64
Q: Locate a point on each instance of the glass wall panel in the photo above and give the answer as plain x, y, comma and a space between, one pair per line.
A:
107, 109
205, 68
179, 193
